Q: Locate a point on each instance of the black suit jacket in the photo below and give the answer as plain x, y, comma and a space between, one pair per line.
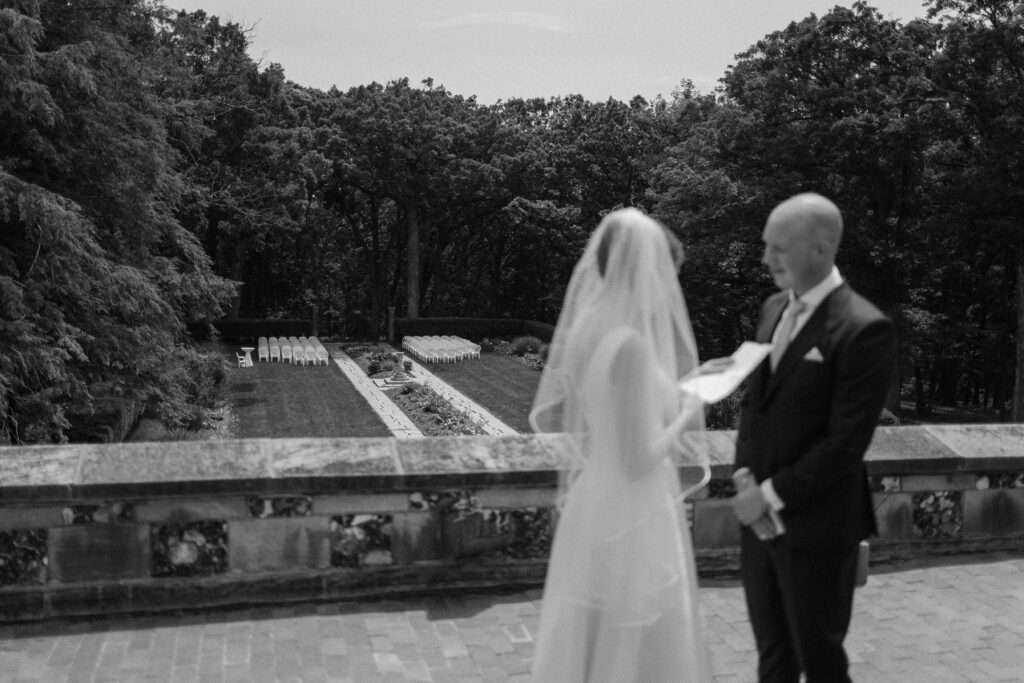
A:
808, 424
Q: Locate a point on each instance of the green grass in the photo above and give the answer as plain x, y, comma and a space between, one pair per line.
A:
501, 384
281, 400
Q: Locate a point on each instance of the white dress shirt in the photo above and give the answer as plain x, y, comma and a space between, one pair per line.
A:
812, 298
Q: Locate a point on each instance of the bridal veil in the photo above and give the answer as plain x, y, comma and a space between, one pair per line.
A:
620, 598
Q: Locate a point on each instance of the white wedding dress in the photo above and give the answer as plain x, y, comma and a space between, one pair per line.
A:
620, 599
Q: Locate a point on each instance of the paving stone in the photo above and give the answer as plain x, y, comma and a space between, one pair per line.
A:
929, 624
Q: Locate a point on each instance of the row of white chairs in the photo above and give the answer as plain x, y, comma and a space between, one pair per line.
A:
295, 350
440, 349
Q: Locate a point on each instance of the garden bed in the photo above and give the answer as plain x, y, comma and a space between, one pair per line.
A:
432, 414
504, 385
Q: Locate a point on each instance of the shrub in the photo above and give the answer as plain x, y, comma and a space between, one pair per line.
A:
525, 345
190, 388
380, 361
543, 331
486, 345
543, 352
888, 418
110, 420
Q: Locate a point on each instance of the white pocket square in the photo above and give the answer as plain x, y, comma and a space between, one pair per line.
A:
814, 355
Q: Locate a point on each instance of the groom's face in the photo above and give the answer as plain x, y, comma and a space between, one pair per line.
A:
791, 254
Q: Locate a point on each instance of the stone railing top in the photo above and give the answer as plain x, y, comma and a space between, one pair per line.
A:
250, 466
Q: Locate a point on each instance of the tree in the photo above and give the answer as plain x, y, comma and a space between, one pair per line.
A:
982, 70
844, 105
97, 276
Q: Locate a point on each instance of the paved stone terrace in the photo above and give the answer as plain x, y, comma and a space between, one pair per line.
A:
958, 619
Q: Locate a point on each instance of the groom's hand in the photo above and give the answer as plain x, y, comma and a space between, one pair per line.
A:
763, 528
749, 504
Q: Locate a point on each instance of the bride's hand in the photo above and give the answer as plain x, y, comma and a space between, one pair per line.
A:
715, 365
710, 367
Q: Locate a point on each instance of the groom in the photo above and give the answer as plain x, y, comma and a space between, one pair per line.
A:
806, 420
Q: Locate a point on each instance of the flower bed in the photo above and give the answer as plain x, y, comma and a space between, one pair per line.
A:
528, 350
432, 414
376, 360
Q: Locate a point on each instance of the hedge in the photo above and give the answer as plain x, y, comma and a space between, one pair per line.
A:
251, 329
473, 329
110, 421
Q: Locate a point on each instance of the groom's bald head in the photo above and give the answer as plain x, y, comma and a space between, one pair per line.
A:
801, 238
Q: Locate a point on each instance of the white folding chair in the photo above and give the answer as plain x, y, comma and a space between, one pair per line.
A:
296, 350
322, 354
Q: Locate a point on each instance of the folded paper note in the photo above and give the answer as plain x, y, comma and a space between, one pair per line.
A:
717, 385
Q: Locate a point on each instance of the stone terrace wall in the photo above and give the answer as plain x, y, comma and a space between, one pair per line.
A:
88, 529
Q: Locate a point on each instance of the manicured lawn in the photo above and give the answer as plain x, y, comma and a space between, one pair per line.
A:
283, 400
502, 384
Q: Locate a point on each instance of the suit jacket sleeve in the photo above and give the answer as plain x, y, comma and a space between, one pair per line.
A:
742, 455
864, 367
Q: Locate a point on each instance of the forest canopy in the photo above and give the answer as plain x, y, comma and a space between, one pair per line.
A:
153, 176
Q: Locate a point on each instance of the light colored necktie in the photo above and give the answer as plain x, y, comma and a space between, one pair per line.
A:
792, 312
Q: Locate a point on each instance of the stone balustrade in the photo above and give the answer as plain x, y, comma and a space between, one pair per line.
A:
89, 529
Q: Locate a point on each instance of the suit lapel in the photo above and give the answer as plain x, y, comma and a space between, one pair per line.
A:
810, 334
770, 320
773, 309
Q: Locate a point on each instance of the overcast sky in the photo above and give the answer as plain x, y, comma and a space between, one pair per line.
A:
499, 49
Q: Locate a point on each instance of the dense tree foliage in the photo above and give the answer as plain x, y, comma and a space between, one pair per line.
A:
152, 174
97, 275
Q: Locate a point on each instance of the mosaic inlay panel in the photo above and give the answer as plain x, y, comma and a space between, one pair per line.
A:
99, 514
361, 540
938, 515
193, 549
1000, 480
23, 557
447, 500
721, 488
293, 506
531, 530
471, 530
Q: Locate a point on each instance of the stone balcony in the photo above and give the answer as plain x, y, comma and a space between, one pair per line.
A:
92, 529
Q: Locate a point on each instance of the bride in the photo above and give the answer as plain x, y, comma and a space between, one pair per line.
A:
620, 599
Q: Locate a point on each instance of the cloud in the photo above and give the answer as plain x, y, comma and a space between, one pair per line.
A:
536, 20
